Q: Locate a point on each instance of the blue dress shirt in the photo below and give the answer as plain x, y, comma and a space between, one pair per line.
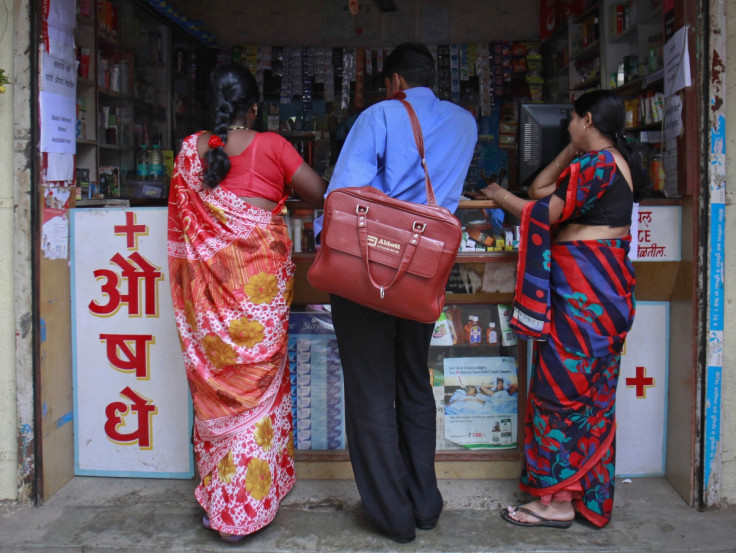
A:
380, 150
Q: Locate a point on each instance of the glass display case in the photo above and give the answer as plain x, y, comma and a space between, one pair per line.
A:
476, 364
139, 94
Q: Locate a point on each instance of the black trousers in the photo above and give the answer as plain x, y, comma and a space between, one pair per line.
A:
390, 415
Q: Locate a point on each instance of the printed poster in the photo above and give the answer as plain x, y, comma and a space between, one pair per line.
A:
481, 402
55, 230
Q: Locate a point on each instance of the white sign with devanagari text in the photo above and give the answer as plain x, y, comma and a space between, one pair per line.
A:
132, 409
659, 233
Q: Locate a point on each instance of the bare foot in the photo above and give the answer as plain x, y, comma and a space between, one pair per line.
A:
556, 510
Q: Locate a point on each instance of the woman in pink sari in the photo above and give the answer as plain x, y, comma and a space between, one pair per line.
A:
231, 279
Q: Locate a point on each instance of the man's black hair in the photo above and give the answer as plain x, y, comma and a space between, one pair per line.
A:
414, 62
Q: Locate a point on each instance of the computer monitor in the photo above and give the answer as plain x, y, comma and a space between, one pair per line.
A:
542, 135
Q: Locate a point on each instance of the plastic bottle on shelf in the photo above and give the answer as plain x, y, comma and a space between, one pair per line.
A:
157, 170
466, 329
656, 174
142, 168
473, 331
492, 334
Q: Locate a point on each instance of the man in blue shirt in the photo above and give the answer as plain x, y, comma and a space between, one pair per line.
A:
390, 407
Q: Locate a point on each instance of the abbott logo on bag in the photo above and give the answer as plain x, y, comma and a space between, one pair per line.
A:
384, 245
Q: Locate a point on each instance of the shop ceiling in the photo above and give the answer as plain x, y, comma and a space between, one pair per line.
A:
330, 22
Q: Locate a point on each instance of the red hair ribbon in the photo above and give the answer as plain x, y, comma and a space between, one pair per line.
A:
215, 142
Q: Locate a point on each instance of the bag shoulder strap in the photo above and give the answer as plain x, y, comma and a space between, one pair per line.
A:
419, 140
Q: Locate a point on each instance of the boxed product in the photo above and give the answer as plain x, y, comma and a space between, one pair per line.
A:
318, 401
82, 183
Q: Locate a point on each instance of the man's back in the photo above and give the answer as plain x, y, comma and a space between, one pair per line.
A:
380, 150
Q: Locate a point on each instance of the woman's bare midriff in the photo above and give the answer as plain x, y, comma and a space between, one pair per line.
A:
263, 203
573, 232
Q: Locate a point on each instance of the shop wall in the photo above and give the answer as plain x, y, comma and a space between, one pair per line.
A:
328, 23
8, 448
728, 423
16, 327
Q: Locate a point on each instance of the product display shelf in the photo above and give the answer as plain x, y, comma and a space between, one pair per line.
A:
461, 305
588, 52
653, 80
86, 155
592, 82
188, 86
573, 49
633, 36
130, 93
591, 47
556, 60
632, 64
583, 35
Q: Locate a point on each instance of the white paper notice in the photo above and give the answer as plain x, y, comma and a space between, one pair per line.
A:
634, 233
58, 76
60, 167
58, 123
672, 117
61, 43
676, 63
62, 14
670, 168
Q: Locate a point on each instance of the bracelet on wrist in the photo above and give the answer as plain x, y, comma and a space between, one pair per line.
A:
505, 198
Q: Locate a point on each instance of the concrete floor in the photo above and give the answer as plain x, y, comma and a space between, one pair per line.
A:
92, 515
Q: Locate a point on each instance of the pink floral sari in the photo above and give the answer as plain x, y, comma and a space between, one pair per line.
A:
231, 280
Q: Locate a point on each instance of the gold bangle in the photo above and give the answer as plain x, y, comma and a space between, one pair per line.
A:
505, 198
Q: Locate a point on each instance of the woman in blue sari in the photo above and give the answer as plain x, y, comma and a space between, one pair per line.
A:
574, 296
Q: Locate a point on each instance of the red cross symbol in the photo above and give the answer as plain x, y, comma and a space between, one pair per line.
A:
130, 230
641, 382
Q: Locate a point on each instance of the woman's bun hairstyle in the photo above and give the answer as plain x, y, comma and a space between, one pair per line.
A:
609, 117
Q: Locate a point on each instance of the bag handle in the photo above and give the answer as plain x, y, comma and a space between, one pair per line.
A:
411, 247
419, 140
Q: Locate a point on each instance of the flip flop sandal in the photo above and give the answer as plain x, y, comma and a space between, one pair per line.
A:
228, 538
541, 522
231, 538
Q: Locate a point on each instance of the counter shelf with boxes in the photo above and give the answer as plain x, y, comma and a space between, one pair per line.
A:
486, 228
475, 377
474, 372
476, 367
318, 402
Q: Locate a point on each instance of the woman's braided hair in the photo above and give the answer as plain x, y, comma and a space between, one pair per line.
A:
233, 92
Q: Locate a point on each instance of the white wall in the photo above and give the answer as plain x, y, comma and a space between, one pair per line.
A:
728, 422
8, 428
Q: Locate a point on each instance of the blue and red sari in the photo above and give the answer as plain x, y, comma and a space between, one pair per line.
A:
576, 299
